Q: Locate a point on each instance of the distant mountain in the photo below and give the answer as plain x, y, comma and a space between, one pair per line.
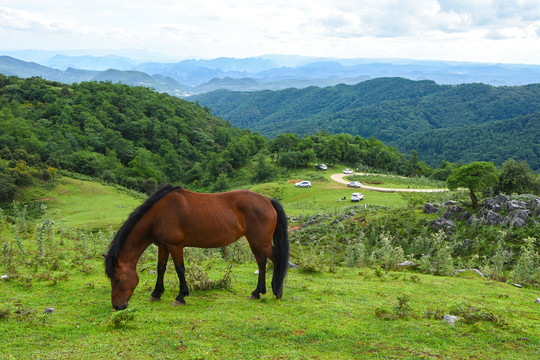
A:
63, 62
23, 69
413, 115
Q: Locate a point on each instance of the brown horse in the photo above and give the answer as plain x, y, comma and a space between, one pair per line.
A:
173, 218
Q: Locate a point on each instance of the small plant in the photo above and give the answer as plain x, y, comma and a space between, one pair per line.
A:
198, 278
527, 269
122, 319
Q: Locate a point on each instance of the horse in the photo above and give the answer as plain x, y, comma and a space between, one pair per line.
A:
173, 218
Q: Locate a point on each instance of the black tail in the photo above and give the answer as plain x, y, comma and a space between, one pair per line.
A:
281, 250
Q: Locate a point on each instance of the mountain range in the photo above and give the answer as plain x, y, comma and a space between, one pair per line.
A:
267, 72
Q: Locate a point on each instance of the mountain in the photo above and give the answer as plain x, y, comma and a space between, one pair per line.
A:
14, 67
63, 62
412, 115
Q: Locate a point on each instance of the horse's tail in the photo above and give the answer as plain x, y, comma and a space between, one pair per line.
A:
281, 250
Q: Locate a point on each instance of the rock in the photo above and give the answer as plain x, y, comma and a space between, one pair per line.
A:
408, 263
430, 208
48, 310
153, 272
450, 202
537, 300
292, 265
450, 319
517, 218
515, 205
517, 285
464, 216
473, 219
452, 212
490, 217
256, 272
473, 270
442, 223
4, 277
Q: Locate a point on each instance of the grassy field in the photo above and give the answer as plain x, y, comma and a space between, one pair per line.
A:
345, 314
337, 313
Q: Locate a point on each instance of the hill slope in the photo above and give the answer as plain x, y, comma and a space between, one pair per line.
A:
391, 109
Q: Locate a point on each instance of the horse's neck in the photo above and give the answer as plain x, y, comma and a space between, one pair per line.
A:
132, 250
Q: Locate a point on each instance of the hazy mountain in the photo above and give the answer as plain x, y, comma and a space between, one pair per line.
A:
63, 62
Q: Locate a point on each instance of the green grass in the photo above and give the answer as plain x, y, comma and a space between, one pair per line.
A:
324, 316
397, 182
338, 313
86, 203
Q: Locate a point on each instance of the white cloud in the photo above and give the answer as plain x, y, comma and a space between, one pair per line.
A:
211, 28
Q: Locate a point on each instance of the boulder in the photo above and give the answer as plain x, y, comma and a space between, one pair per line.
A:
450, 319
442, 223
452, 212
430, 208
515, 205
517, 218
473, 219
490, 217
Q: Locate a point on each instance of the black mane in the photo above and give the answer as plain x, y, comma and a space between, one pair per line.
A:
111, 259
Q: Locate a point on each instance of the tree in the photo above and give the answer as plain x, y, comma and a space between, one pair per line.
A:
477, 176
517, 177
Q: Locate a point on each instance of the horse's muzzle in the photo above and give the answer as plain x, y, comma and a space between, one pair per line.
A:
120, 307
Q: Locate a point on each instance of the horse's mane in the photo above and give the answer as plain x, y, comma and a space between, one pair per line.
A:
111, 259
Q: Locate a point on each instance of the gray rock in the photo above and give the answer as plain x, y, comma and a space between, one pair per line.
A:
490, 217
408, 263
451, 202
515, 205
450, 319
452, 212
4, 277
442, 223
537, 300
48, 310
430, 208
473, 219
517, 218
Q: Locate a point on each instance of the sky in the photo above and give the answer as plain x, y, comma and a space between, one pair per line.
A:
495, 31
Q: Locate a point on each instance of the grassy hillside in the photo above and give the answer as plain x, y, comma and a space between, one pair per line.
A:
329, 310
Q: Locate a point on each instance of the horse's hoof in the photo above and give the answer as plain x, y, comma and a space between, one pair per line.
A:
178, 303
152, 298
252, 297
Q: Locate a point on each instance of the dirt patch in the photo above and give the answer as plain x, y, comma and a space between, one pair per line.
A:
294, 181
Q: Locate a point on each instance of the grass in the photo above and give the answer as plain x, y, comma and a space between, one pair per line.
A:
321, 316
336, 313
397, 182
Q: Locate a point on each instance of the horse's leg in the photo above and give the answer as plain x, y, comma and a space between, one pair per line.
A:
163, 257
177, 254
261, 282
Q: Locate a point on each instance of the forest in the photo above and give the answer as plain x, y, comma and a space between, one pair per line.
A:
457, 123
137, 138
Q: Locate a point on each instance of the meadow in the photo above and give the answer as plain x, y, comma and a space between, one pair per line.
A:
329, 311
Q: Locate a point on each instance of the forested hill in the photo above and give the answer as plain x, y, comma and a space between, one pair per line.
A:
490, 123
118, 133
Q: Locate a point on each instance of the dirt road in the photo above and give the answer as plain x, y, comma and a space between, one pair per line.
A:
339, 179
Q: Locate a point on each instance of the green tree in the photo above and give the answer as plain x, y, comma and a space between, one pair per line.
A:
517, 177
477, 176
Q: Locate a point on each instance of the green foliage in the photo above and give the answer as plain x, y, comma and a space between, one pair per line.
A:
527, 269
122, 319
463, 123
517, 178
476, 176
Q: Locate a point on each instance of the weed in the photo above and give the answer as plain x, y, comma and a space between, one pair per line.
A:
527, 270
122, 319
198, 279
470, 314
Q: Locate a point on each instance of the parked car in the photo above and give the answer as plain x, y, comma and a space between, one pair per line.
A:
348, 171
323, 167
357, 197
303, 184
355, 184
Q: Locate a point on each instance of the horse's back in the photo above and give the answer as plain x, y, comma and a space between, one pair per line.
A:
213, 220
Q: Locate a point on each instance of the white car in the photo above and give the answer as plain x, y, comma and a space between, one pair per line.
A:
348, 171
357, 197
303, 184
355, 184
323, 167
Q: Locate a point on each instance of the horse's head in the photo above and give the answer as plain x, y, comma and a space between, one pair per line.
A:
123, 283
